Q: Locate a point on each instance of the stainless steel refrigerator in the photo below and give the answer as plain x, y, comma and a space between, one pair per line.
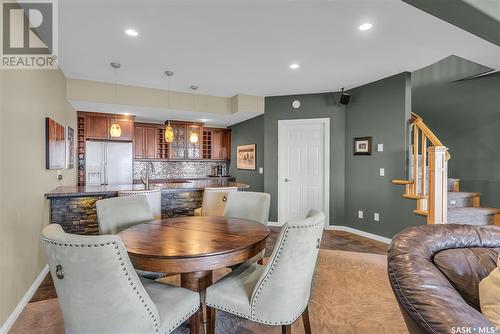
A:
108, 163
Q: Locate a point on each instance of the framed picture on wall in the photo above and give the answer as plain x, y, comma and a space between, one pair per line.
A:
245, 157
70, 147
55, 145
363, 146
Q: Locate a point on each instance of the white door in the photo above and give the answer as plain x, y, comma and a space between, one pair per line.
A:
303, 167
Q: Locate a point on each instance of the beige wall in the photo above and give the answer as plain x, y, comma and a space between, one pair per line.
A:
27, 97
101, 92
93, 91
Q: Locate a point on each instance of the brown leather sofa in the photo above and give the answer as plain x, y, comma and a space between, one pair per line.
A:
435, 272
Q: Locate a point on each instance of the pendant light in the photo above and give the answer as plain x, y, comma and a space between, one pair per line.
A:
193, 137
169, 131
115, 130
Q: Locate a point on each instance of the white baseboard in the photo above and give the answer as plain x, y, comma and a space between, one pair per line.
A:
24, 301
359, 232
347, 229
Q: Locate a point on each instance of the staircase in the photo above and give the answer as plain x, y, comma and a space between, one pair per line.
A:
438, 197
464, 207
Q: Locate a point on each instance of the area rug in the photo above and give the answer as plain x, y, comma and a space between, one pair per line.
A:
351, 295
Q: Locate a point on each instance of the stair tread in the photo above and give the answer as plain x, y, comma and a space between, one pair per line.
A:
469, 211
461, 194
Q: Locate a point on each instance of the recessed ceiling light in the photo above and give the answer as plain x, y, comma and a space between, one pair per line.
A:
294, 66
131, 32
365, 26
204, 120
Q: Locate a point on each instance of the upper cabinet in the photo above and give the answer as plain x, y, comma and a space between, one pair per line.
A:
191, 140
98, 126
216, 144
127, 127
146, 141
179, 145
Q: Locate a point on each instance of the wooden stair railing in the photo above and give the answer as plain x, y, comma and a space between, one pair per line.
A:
428, 179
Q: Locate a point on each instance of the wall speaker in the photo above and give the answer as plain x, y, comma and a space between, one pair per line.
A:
344, 98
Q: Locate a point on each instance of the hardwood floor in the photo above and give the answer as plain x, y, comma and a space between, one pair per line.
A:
333, 240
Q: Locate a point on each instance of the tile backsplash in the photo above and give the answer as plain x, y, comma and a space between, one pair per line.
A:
177, 169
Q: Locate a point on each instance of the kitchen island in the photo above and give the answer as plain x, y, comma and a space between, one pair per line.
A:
73, 207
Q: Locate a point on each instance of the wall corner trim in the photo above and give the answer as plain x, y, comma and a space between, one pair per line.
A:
359, 232
24, 301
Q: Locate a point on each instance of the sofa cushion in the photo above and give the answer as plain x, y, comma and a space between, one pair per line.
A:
489, 296
465, 268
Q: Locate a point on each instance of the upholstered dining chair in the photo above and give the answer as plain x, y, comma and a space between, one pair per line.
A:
119, 213
99, 291
248, 205
214, 201
277, 293
252, 206
153, 196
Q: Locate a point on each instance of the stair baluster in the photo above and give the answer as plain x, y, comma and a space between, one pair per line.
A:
427, 185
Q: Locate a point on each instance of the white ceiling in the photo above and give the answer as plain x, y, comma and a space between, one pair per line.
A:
231, 47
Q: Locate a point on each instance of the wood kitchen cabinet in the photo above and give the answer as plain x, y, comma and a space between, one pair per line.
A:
97, 126
127, 126
216, 144
193, 150
146, 141
178, 147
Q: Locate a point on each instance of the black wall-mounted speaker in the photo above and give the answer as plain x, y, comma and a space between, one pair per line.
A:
344, 98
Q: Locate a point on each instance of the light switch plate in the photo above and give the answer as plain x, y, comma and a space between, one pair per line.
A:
376, 216
382, 171
380, 147
261, 170
360, 214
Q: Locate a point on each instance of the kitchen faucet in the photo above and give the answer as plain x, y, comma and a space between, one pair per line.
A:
146, 179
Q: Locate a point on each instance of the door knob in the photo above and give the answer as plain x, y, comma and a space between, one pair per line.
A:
287, 179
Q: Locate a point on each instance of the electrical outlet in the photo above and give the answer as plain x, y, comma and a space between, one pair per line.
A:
380, 147
261, 170
59, 175
376, 216
360, 214
382, 171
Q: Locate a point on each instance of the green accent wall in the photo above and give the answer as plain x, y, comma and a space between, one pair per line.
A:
312, 106
465, 115
249, 132
381, 110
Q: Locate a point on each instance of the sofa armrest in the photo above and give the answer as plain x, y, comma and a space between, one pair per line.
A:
422, 291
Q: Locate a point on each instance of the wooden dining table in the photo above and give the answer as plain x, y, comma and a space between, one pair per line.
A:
193, 247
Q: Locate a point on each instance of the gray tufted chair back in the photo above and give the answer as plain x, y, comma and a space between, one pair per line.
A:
214, 200
282, 292
248, 205
118, 213
98, 289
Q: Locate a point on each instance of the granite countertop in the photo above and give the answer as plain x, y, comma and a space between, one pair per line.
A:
185, 185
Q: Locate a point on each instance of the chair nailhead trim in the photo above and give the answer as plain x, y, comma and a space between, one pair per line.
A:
184, 318
122, 264
262, 284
